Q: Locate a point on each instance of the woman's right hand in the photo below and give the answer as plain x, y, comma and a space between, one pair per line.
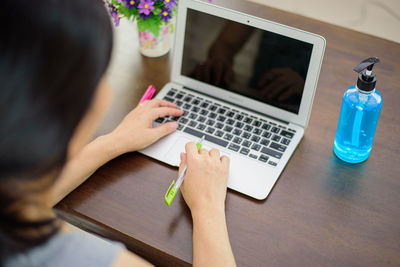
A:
206, 178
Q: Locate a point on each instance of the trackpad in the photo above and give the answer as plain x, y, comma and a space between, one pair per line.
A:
173, 155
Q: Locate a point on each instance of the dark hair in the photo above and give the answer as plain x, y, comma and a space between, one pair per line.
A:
53, 54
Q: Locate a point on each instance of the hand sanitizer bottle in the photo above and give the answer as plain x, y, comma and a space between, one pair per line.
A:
361, 106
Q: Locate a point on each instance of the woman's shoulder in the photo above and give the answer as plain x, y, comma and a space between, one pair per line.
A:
72, 248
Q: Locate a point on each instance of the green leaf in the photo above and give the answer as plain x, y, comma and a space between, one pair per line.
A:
152, 24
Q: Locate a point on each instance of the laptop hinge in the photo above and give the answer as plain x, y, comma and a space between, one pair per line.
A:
236, 105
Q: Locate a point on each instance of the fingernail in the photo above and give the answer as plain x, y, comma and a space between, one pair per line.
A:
173, 125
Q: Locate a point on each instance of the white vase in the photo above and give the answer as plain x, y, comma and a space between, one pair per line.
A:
155, 46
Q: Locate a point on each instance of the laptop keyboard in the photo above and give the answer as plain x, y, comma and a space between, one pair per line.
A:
251, 136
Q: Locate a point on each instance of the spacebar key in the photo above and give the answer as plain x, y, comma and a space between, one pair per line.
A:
207, 137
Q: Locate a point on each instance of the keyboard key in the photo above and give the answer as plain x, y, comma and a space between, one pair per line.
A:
187, 99
203, 112
183, 120
246, 143
256, 147
257, 123
160, 120
228, 137
192, 124
239, 125
221, 118
246, 135
248, 128
221, 111
195, 109
178, 103
201, 119
257, 131
264, 142
237, 140
237, 132
170, 93
291, 130
192, 116
196, 102
212, 115
175, 118
253, 156
266, 126
277, 146
234, 147
244, 151
267, 134
180, 127
210, 130
168, 99
219, 133
179, 96
208, 137
271, 152
239, 117
219, 125
204, 105
248, 120
275, 130
276, 138
212, 108
230, 114
187, 106
263, 158
285, 141
210, 122
272, 163
255, 138
201, 126
185, 113
228, 128
287, 134
230, 122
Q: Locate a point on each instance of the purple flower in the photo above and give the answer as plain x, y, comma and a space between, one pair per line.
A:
170, 3
131, 3
114, 14
165, 14
144, 16
146, 6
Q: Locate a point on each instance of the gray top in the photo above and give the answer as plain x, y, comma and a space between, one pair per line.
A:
69, 249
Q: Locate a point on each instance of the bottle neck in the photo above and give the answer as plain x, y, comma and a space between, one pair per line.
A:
365, 92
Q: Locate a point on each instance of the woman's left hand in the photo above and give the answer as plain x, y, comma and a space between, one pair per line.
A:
136, 132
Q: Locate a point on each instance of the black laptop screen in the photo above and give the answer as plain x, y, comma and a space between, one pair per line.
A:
262, 65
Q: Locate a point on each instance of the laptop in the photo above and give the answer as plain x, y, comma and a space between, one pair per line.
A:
245, 83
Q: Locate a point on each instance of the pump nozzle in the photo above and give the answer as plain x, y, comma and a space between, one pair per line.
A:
366, 80
366, 64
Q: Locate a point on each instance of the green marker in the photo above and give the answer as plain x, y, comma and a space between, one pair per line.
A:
174, 187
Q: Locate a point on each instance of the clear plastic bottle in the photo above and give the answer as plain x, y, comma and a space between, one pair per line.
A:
361, 106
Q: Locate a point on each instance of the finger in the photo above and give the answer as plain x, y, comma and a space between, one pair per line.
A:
160, 103
191, 150
287, 94
225, 161
228, 76
162, 130
203, 151
214, 153
277, 89
164, 111
183, 162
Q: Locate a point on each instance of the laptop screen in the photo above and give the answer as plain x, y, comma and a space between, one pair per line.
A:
258, 64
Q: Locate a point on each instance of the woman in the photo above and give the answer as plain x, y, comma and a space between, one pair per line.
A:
53, 56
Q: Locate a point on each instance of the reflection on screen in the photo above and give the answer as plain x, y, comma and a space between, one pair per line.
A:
255, 63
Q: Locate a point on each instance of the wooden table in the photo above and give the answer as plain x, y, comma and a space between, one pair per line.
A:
321, 212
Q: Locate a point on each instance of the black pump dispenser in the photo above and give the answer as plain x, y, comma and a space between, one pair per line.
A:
366, 79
